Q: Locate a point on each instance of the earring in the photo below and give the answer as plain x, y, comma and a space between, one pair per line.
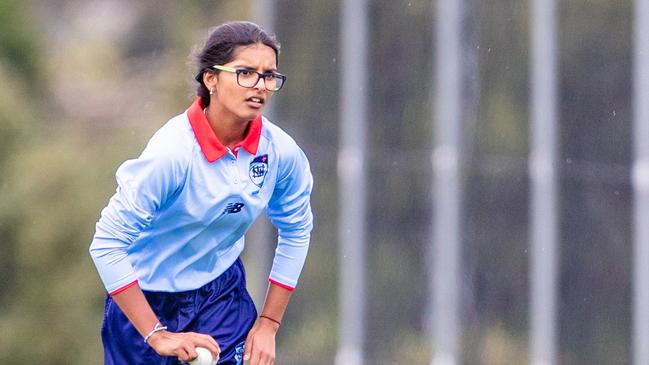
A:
211, 91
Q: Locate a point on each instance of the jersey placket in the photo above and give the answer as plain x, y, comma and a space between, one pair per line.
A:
234, 171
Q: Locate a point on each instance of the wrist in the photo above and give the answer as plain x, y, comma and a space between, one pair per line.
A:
270, 321
158, 327
153, 340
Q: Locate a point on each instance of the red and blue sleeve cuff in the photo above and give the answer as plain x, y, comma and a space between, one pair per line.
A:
287, 287
119, 290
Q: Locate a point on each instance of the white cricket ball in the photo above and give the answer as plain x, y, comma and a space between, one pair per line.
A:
204, 357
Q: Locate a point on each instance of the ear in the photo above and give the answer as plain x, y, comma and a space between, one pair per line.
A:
210, 80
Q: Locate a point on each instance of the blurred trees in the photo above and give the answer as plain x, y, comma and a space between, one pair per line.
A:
86, 83
16, 117
76, 101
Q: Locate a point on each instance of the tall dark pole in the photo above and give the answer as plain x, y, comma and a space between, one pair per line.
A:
543, 176
352, 172
444, 280
260, 240
640, 336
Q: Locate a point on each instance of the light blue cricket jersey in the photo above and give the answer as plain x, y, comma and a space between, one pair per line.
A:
178, 217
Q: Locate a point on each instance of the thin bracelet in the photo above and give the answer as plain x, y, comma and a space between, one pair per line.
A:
157, 328
270, 319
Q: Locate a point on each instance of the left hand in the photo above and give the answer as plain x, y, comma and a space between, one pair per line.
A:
260, 343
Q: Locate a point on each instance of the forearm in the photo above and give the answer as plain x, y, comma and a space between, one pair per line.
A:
275, 304
260, 344
134, 305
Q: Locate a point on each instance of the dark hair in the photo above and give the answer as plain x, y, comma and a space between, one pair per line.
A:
221, 43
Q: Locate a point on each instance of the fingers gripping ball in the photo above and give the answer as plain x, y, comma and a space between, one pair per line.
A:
204, 357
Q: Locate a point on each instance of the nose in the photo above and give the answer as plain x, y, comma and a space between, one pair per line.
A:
260, 85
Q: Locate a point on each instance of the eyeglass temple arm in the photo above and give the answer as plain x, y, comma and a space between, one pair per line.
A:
224, 68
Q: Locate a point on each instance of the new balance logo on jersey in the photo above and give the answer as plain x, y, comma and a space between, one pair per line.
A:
233, 208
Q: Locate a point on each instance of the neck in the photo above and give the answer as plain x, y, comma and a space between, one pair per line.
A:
229, 130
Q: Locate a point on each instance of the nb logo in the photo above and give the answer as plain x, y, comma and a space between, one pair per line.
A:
233, 208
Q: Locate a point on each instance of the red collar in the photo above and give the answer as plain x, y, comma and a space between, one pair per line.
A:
212, 148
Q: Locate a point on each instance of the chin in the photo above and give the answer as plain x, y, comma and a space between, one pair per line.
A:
250, 115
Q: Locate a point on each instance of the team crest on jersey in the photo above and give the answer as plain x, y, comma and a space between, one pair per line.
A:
258, 169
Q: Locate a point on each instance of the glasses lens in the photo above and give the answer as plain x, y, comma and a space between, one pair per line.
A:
247, 78
272, 82
279, 82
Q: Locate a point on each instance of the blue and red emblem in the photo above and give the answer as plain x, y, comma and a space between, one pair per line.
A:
258, 169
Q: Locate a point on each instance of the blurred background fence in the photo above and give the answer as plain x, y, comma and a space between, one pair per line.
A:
85, 83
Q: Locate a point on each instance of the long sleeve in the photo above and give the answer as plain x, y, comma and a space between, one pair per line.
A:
289, 210
145, 184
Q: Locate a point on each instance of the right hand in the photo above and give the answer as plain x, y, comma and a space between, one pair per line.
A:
183, 344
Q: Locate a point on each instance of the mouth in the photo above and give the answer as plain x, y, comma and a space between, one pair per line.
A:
255, 102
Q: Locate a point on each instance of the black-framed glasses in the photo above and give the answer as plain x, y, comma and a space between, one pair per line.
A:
273, 81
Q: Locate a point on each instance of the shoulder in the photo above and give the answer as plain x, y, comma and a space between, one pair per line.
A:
173, 141
292, 161
281, 141
167, 153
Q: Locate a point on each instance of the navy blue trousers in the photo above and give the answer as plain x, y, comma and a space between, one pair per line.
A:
222, 308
